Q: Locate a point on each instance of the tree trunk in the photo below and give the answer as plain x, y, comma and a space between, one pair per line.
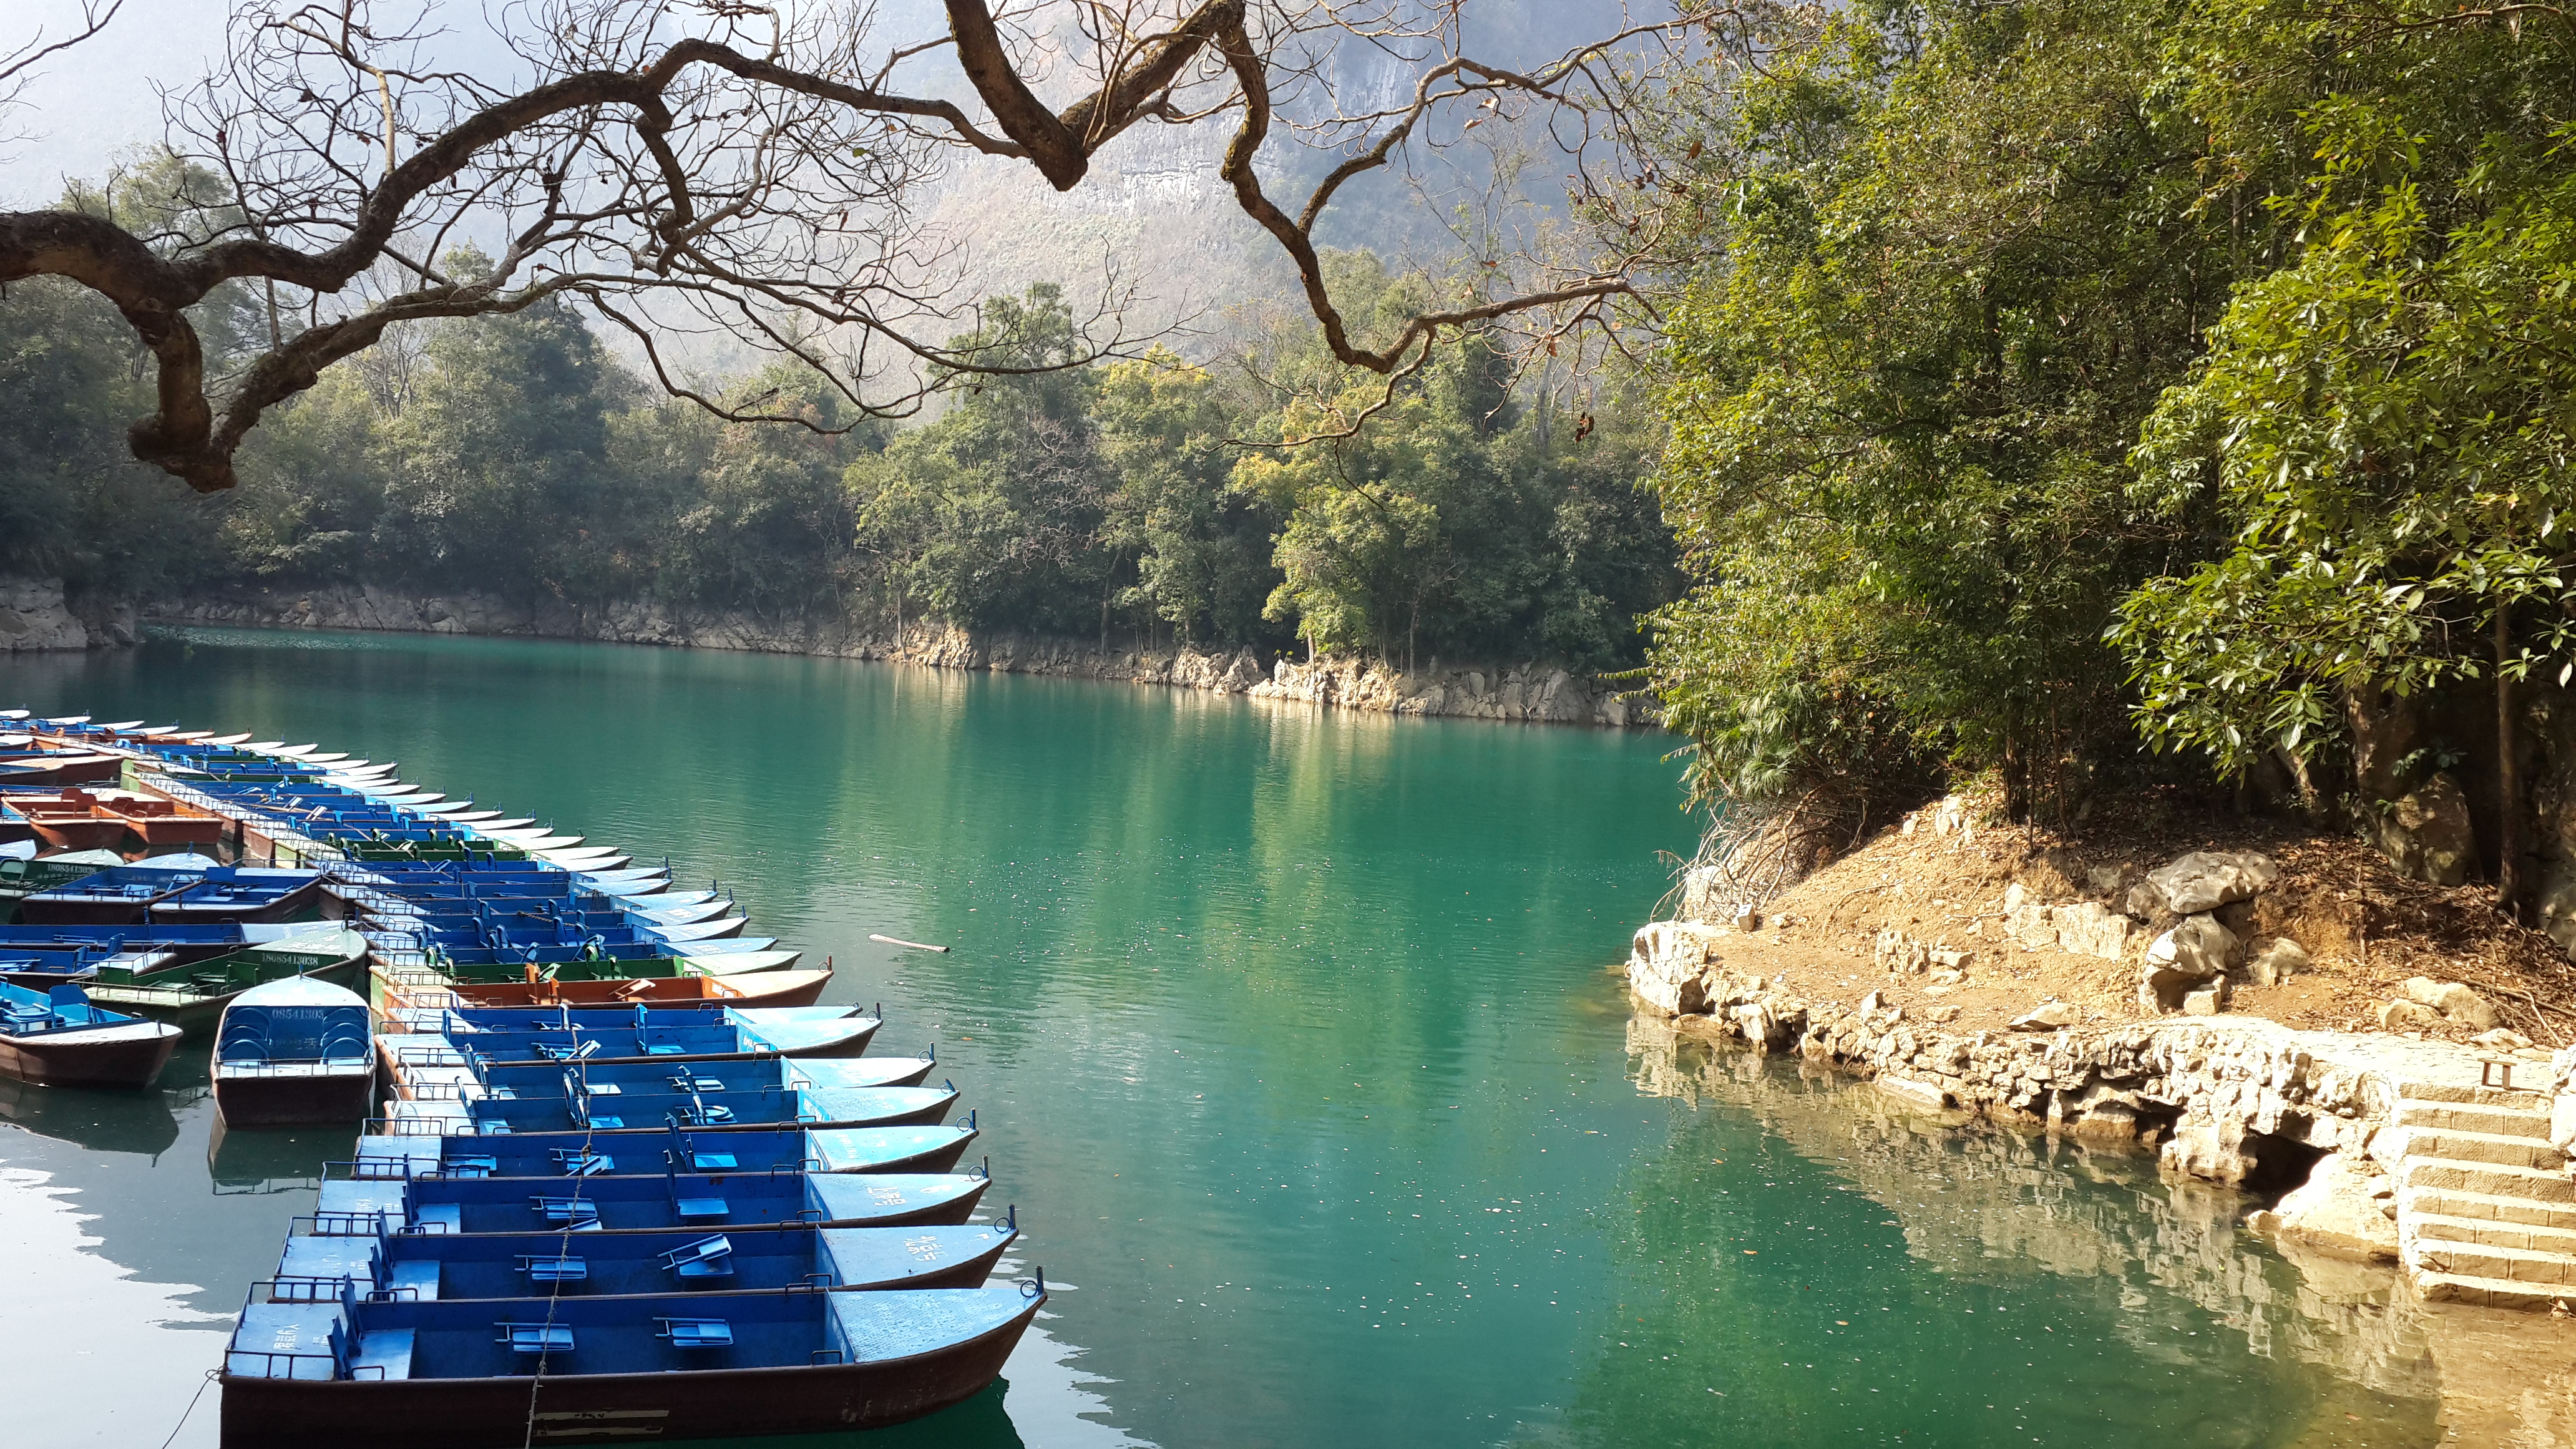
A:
2508, 778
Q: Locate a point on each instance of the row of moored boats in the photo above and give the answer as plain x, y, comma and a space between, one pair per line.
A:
620, 1175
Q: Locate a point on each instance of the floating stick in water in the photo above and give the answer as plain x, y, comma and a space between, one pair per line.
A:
916, 945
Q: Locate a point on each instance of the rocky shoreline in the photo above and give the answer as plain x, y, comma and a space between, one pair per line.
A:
1530, 692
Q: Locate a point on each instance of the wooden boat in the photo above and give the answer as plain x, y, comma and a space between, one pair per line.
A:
882, 1152
418, 988
59, 1039
50, 767
157, 822
20, 877
640, 1202
480, 1372
437, 1268
609, 1109
67, 819
117, 896
193, 996
292, 1052
243, 893
536, 1037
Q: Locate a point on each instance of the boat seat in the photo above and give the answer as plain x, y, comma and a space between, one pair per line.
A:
472, 1166
713, 1161
437, 1217
536, 1337
554, 1270
696, 1332
415, 1280
662, 1049
700, 1209
383, 1353
578, 1163
602, 1089
687, 1082
607, 1122
568, 1211
706, 1260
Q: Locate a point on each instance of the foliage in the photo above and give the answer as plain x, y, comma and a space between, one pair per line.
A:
2387, 421
1949, 258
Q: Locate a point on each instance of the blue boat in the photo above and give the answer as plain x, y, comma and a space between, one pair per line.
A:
57, 1038
383, 1156
490, 1372
608, 1108
292, 1052
642, 1034
120, 895
439, 1267
630, 1202
243, 893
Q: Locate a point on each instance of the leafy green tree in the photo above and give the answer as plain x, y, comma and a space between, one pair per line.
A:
1947, 260
1202, 547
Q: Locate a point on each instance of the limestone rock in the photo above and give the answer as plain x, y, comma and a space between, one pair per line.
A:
2337, 1210
2208, 1000
1940, 1014
2181, 959
2207, 879
1667, 961
2277, 962
2558, 904
2091, 929
2427, 833
2454, 1001
2405, 1015
2503, 1039
2047, 1016
1946, 960
1950, 816
2031, 927
33, 618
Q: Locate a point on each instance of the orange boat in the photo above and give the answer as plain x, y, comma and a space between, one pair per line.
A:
69, 820
158, 822
403, 989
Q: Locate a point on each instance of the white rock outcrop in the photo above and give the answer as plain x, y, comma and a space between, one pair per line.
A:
2456, 1002
2207, 879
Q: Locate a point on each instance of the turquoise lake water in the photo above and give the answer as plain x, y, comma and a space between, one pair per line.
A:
1294, 1042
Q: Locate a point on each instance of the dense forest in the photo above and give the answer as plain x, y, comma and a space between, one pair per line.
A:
2082, 394
1144, 499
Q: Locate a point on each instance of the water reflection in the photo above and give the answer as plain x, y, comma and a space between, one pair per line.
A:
2162, 1266
101, 1121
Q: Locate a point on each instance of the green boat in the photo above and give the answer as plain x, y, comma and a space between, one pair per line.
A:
22, 878
193, 997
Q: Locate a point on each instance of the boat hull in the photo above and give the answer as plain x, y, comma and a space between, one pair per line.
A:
198, 1014
705, 1404
294, 1099
38, 912
116, 1056
761, 988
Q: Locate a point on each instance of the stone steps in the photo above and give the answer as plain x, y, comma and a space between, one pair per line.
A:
2450, 1145
2487, 1207
2494, 1178
2486, 1210
2466, 1117
2488, 1292
2514, 1097
2491, 1233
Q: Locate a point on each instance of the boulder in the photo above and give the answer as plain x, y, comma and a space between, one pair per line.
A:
2207, 879
2031, 927
2047, 1016
2426, 833
2277, 962
2091, 929
2454, 1001
2405, 1015
1667, 961
2337, 1210
1943, 1014
2181, 959
2208, 999
2558, 904
2503, 1039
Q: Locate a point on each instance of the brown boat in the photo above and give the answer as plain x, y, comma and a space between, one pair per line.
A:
157, 822
71, 820
399, 989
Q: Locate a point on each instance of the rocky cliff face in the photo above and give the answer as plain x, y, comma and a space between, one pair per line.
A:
1534, 693
35, 616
